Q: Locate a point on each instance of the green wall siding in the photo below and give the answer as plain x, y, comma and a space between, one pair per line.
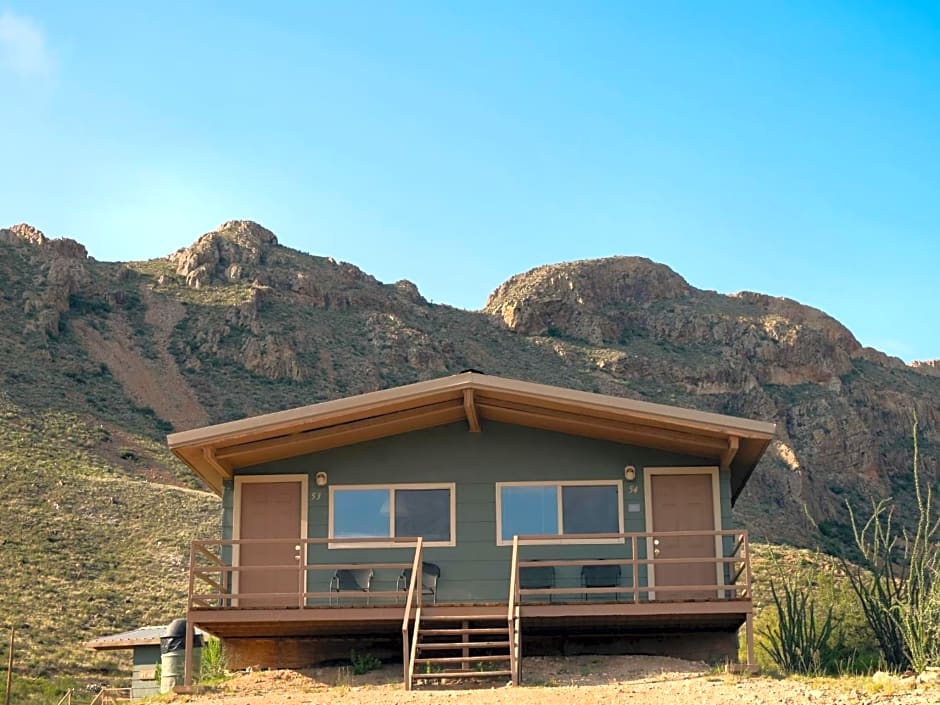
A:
476, 569
146, 658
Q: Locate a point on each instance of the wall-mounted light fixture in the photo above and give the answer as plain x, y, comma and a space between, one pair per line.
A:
629, 473
321, 479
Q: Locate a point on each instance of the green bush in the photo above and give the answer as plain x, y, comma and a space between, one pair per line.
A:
363, 663
213, 666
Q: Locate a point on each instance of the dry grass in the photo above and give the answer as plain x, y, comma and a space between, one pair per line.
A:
88, 547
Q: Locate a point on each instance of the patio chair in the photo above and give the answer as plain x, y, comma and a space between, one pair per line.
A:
355, 580
537, 577
598, 576
430, 574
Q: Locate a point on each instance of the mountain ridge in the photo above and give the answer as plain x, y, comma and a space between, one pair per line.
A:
249, 239
99, 360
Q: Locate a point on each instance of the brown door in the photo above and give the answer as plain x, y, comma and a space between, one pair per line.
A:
683, 503
270, 510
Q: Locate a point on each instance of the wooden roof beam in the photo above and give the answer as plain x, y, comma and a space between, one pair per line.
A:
470, 408
728, 454
614, 408
546, 419
343, 434
329, 413
222, 468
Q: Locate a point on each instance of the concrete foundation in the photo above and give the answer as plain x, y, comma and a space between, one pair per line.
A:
300, 652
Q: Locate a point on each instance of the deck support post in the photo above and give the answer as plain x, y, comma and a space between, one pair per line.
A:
465, 638
749, 641
188, 658
405, 651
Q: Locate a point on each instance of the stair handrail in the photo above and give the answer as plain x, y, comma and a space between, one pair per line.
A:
416, 579
414, 646
512, 615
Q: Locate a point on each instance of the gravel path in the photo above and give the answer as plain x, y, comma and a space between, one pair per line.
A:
637, 680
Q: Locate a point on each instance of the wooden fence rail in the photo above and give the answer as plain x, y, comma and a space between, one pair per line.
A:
214, 565
639, 583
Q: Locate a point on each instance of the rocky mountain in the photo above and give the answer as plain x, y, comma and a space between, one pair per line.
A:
844, 412
99, 360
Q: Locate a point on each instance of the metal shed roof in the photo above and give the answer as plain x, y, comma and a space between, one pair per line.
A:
142, 636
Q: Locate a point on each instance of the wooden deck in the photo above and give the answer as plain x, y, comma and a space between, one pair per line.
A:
383, 620
631, 604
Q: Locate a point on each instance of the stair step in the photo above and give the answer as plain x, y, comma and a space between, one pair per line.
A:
461, 674
461, 659
451, 645
468, 630
493, 617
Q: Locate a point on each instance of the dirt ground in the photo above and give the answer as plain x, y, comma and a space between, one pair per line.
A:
637, 680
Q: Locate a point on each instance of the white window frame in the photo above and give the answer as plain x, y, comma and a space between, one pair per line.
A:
562, 537
386, 542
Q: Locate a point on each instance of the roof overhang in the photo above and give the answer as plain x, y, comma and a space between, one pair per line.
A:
215, 452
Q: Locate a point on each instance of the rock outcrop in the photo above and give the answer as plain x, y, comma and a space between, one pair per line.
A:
232, 252
60, 274
570, 299
928, 367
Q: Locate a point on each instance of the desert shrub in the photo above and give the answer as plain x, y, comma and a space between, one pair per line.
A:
897, 580
852, 647
363, 663
800, 641
37, 691
213, 666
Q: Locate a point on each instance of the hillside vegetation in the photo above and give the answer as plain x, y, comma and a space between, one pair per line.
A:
98, 361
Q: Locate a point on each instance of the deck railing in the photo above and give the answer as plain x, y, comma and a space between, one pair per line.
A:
215, 575
641, 554
730, 558
215, 572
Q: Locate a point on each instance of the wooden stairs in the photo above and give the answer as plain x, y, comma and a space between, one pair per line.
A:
477, 646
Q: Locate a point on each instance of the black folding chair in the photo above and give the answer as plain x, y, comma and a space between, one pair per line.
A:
600, 576
355, 580
537, 577
430, 574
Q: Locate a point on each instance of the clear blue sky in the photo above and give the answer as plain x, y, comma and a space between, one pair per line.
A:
785, 147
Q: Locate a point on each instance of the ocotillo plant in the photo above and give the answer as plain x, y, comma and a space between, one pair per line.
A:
898, 579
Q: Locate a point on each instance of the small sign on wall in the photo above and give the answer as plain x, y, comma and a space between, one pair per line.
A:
633, 508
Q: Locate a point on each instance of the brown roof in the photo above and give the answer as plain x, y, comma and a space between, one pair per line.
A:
213, 452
